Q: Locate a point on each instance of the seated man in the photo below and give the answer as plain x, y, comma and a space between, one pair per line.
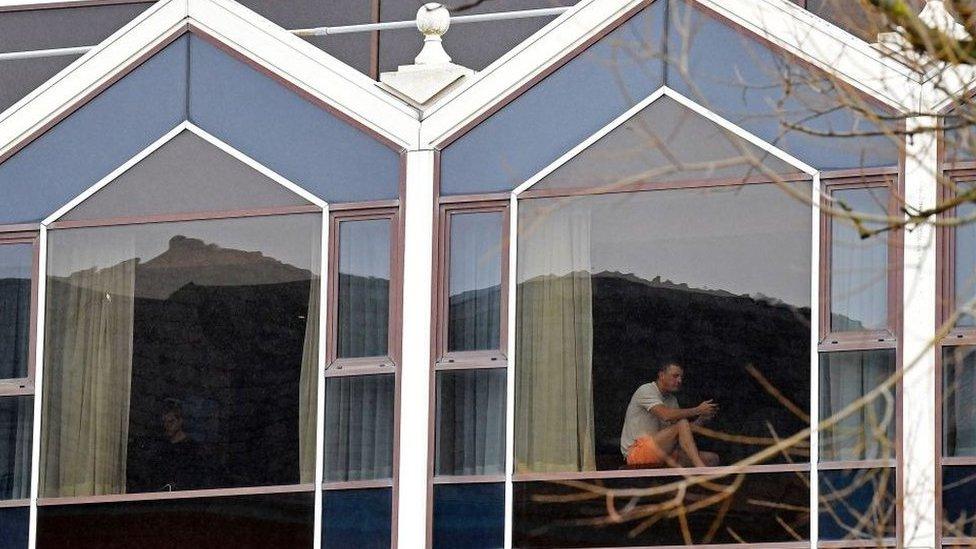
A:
656, 430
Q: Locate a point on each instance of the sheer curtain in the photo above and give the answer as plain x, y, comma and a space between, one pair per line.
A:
474, 306
868, 433
359, 427
88, 361
15, 297
554, 339
308, 387
859, 267
471, 422
960, 396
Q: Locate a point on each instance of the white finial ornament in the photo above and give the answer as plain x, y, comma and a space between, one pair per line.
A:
432, 72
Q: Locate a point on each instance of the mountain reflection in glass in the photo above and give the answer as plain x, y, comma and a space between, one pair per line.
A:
16, 266
364, 288
474, 305
717, 279
180, 356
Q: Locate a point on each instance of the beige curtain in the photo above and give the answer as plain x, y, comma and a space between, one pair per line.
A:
88, 373
554, 340
845, 378
308, 385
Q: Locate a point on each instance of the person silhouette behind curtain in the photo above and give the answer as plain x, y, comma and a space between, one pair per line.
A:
180, 460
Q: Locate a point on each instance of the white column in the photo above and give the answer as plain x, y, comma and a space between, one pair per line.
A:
412, 505
918, 445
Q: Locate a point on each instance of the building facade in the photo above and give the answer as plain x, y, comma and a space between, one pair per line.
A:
268, 288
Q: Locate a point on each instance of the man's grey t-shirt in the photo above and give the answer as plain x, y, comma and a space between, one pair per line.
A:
639, 420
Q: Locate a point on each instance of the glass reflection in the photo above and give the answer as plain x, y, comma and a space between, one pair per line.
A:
869, 432
16, 268
613, 287
359, 427
364, 288
857, 504
858, 266
964, 273
474, 305
16, 430
959, 401
470, 422
180, 356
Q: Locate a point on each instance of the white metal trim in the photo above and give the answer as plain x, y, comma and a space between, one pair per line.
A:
684, 101
815, 362
166, 138
510, 368
320, 376
38, 386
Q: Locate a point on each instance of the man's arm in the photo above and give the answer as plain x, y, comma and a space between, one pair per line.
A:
671, 415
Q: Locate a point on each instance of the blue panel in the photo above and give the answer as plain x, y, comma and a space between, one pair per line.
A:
857, 504
357, 519
95, 139
275, 126
561, 111
746, 82
469, 515
14, 524
958, 501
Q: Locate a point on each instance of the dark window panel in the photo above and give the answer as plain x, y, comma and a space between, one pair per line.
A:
236, 522
14, 526
359, 414
845, 377
471, 422
357, 519
664, 142
176, 355
469, 515
364, 288
472, 45
16, 271
964, 256
958, 401
186, 174
611, 286
532, 131
958, 501
474, 302
52, 28
857, 504
299, 140
16, 428
96, 139
858, 266
764, 508
855, 18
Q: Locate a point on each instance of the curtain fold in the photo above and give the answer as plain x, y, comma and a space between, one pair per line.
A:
471, 422
15, 447
88, 361
359, 427
364, 310
554, 346
474, 304
308, 386
15, 294
846, 377
960, 394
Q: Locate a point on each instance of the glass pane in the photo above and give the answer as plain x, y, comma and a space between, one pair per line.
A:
869, 432
857, 504
958, 501
665, 142
474, 306
96, 139
279, 128
776, 97
186, 174
855, 18
359, 414
357, 519
858, 266
475, 46
471, 422
469, 515
958, 401
763, 508
52, 28
181, 356
273, 520
364, 288
16, 271
14, 525
964, 270
614, 287
533, 130
16, 428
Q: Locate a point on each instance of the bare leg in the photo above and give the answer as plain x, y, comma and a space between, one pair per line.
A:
686, 440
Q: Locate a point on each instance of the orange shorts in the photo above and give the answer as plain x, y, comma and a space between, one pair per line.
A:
645, 452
